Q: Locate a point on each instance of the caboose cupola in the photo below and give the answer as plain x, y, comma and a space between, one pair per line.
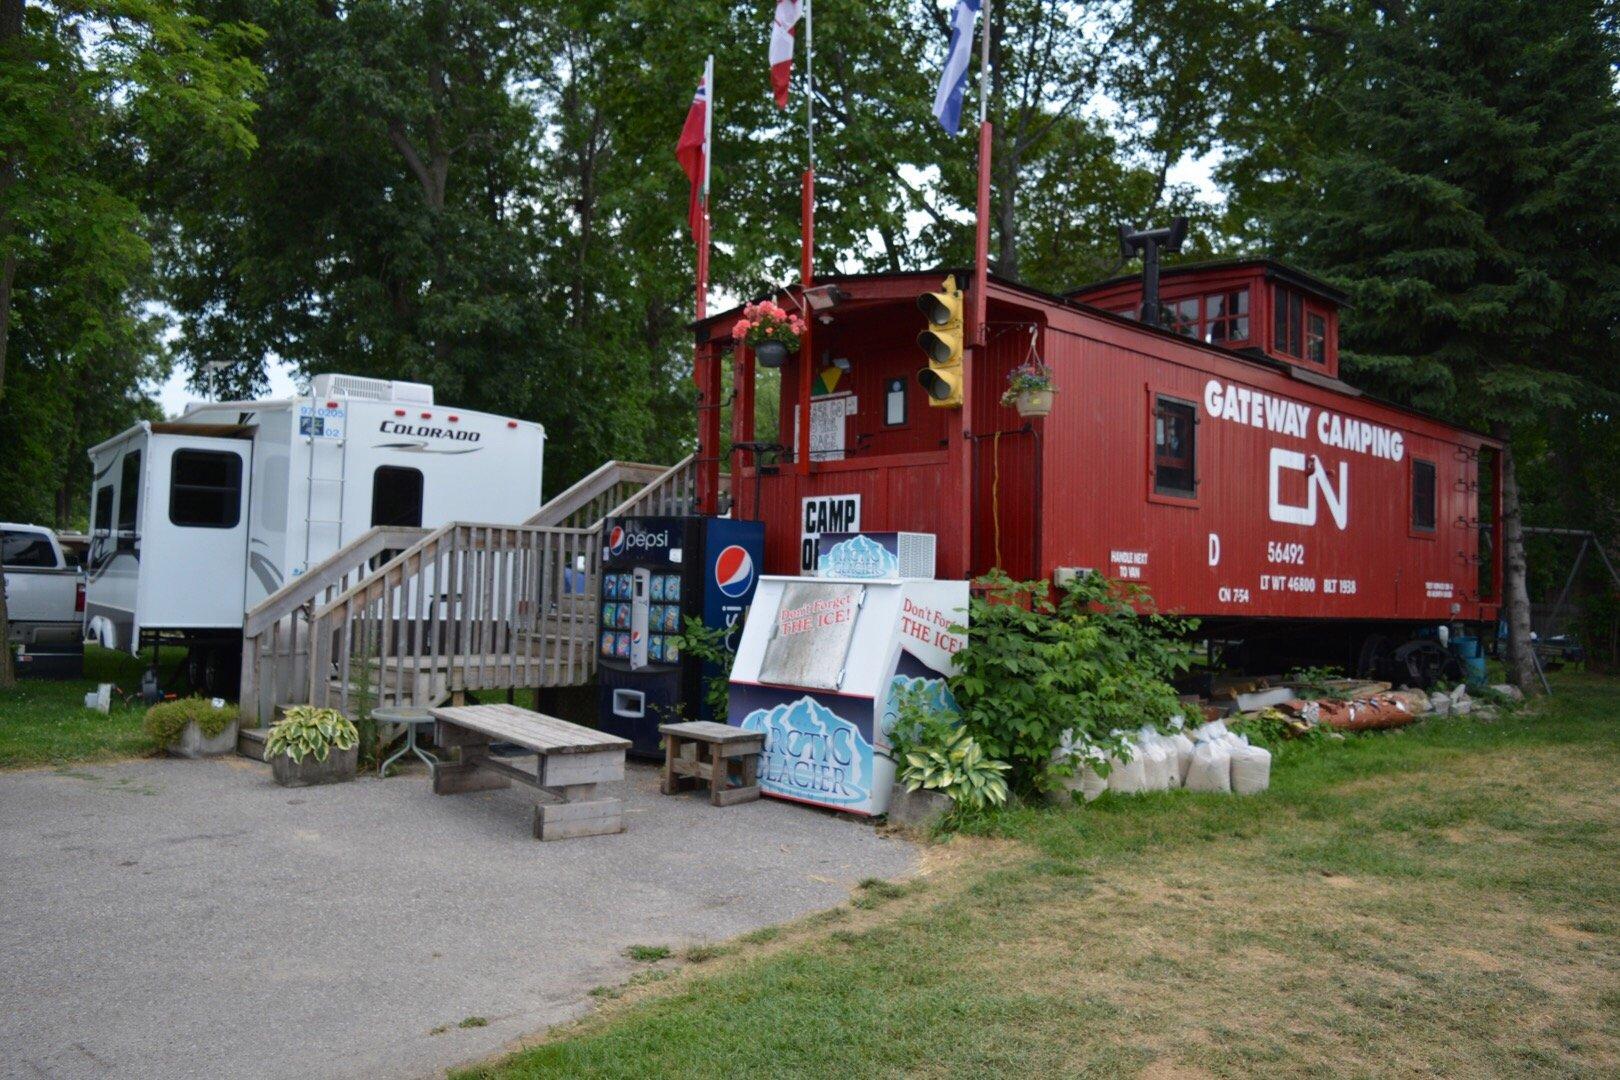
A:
1258, 307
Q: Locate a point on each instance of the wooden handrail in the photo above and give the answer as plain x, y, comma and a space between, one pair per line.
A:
593, 486
651, 491
326, 573
377, 576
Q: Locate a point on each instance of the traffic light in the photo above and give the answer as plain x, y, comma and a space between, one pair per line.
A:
942, 341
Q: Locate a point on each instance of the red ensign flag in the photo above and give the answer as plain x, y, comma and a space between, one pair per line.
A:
693, 149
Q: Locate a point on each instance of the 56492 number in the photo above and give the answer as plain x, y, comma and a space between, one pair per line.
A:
1279, 552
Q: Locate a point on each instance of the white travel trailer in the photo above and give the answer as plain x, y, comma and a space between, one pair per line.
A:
197, 519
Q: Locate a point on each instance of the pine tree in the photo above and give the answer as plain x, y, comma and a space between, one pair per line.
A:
1472, 211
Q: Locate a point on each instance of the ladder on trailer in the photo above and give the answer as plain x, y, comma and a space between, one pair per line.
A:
340, 446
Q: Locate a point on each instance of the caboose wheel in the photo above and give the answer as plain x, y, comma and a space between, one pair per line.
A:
1427, 662
1374, 656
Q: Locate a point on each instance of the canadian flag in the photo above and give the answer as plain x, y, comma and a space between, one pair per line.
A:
788, 13
692, 151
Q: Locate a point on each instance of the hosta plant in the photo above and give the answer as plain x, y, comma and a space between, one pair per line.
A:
959, 768
308, 731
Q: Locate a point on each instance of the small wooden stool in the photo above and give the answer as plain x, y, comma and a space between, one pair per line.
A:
733, 755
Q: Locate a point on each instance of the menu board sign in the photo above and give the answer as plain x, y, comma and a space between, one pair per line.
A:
811, 633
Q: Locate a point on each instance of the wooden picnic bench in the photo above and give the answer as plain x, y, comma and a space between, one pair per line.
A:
572, 761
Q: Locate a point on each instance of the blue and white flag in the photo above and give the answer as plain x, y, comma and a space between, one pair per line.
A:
953, 80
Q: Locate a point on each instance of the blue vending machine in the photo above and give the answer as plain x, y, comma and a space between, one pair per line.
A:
657, 574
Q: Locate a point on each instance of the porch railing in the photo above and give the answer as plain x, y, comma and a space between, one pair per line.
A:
464, 607
275, 633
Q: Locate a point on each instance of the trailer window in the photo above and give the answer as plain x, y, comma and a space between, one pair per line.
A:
30, 550
1175, 448
1422, 495
205, 489
1228, 315
396, 496
129, 492
104, 497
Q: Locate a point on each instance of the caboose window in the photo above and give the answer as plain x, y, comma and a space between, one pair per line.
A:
1287, 319
1228, 315
1175, 448
1316, 339
1422, 495
1182, 316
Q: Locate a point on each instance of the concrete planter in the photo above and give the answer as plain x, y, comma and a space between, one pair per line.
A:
192, 743
918, 809
339, 765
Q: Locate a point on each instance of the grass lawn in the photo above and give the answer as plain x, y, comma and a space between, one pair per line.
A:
1443, 900
44, 722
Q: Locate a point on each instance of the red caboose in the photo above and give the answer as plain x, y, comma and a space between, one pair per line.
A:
1218, 461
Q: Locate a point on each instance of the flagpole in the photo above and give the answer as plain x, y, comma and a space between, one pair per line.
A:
981, 236
807, 222
808, 210
703, 221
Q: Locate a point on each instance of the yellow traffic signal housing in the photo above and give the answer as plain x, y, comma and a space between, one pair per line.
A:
942, 342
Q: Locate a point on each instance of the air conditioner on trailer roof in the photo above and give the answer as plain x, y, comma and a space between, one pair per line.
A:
359, 386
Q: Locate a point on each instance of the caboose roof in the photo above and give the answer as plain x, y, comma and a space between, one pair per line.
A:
1273, 269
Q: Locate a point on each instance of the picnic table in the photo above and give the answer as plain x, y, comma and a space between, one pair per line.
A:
572, 762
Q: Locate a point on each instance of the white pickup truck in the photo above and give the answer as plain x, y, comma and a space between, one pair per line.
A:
45, 602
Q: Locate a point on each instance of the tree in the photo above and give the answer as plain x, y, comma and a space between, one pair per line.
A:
1472, 214
84, 90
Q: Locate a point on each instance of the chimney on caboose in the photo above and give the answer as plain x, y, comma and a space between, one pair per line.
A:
1150, 242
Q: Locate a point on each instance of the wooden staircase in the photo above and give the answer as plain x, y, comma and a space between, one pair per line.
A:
412, 617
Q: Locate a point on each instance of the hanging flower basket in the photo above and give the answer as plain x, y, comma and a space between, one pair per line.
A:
770, 330
1030, 387
1034, 403
770, 354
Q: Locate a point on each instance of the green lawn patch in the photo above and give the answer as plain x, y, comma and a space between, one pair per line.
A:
43, 722
1441, 900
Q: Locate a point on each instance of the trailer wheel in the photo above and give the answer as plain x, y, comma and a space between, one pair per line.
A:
1427, 662
213, 670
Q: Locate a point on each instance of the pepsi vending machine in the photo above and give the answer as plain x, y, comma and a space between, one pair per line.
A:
658, 573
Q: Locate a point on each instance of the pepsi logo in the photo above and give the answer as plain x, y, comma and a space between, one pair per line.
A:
616, 540
734, 571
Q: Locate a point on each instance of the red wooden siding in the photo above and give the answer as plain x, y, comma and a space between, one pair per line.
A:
1099, 513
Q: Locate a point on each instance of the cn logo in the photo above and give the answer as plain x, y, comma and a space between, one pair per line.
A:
616, 540
1317, 481
734, 571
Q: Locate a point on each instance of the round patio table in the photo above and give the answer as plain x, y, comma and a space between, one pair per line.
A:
411, 719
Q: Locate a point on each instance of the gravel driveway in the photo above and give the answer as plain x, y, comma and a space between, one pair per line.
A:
192, 919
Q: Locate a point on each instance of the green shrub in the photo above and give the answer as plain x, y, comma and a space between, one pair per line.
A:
304, 729
167, 719
1095, 659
